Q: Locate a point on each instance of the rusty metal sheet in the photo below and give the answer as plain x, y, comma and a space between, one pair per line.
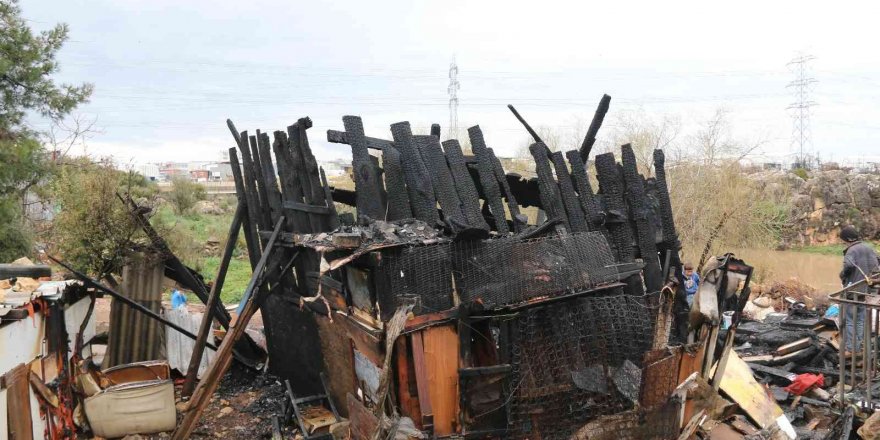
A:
659, 376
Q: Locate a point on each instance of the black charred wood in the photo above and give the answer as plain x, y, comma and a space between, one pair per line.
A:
291, 189
256, 163
328, 196
551, 201
486, 171
395, 186
442, 181
611, 187
367, 181
273, 194
576, 218
642, 216
252, 241
314, 191
598, 117
464, 185
418, 181
520, 221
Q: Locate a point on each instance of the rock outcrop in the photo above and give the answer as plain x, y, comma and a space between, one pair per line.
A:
824, 202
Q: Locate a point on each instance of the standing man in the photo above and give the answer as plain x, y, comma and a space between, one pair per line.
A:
691, 283
859, 261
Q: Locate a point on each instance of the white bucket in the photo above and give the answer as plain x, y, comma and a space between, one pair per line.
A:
726, 320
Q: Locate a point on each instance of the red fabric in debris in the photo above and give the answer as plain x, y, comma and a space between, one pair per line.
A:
805, 382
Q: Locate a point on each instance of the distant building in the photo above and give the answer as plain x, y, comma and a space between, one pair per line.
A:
772, 166
200, 175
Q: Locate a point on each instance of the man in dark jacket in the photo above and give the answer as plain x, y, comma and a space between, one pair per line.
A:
859, 261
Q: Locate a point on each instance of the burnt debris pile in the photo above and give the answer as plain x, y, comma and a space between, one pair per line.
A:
449, 297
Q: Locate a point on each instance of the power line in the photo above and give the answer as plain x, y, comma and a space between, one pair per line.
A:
800, 108
452, 90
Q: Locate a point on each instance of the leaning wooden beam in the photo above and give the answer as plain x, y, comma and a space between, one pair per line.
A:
209, 383
547, 187
464, 185
594, 215
598, 117
520, 221
488, 182
526, 125
444, 185
125, 300
262, 189
252, 241
638, 206
418, 182
269, 177
576, 218
213, 298
255, 212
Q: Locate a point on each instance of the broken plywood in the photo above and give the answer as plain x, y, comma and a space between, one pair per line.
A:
740, 385
441, 362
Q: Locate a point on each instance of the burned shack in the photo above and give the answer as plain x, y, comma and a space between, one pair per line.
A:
436, 308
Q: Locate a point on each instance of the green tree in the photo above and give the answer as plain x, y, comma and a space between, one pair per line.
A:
184, 194
27, 86
93, 229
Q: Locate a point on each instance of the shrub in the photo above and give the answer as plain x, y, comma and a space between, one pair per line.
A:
184, 195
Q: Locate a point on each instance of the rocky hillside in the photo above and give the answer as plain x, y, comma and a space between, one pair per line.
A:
824, 202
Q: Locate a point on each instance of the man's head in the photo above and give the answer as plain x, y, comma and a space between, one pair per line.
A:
688, 269
849, 234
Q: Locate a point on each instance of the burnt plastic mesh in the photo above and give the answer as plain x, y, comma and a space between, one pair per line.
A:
500, 271
576, 360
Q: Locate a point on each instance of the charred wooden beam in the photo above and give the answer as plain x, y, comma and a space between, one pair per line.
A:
464, 185
395, 186
341, 137
328, 196
643, 219
670, 236
611, 187
486, 171
598, 117
576, 218
291, 189
262, 188
520, 221
594, 215
444, 185
418, 181
551, 202
435, 131
273, 194
368, 183
252, 241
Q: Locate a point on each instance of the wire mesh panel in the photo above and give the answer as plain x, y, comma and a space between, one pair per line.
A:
499, 271
576, 360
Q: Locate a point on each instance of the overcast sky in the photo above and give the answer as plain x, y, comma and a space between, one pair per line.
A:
167, 73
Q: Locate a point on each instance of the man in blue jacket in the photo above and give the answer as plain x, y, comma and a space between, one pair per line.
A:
859, 261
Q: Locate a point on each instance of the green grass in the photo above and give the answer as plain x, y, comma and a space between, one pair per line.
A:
187, 236
237, 277
199, 227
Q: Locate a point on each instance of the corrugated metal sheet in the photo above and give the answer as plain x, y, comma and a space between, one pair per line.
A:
180, 347
133, 336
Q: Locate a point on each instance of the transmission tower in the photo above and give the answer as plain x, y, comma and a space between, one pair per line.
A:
800, 108
453, 99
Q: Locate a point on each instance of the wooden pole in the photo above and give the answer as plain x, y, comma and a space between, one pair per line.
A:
211, 380
213, 298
